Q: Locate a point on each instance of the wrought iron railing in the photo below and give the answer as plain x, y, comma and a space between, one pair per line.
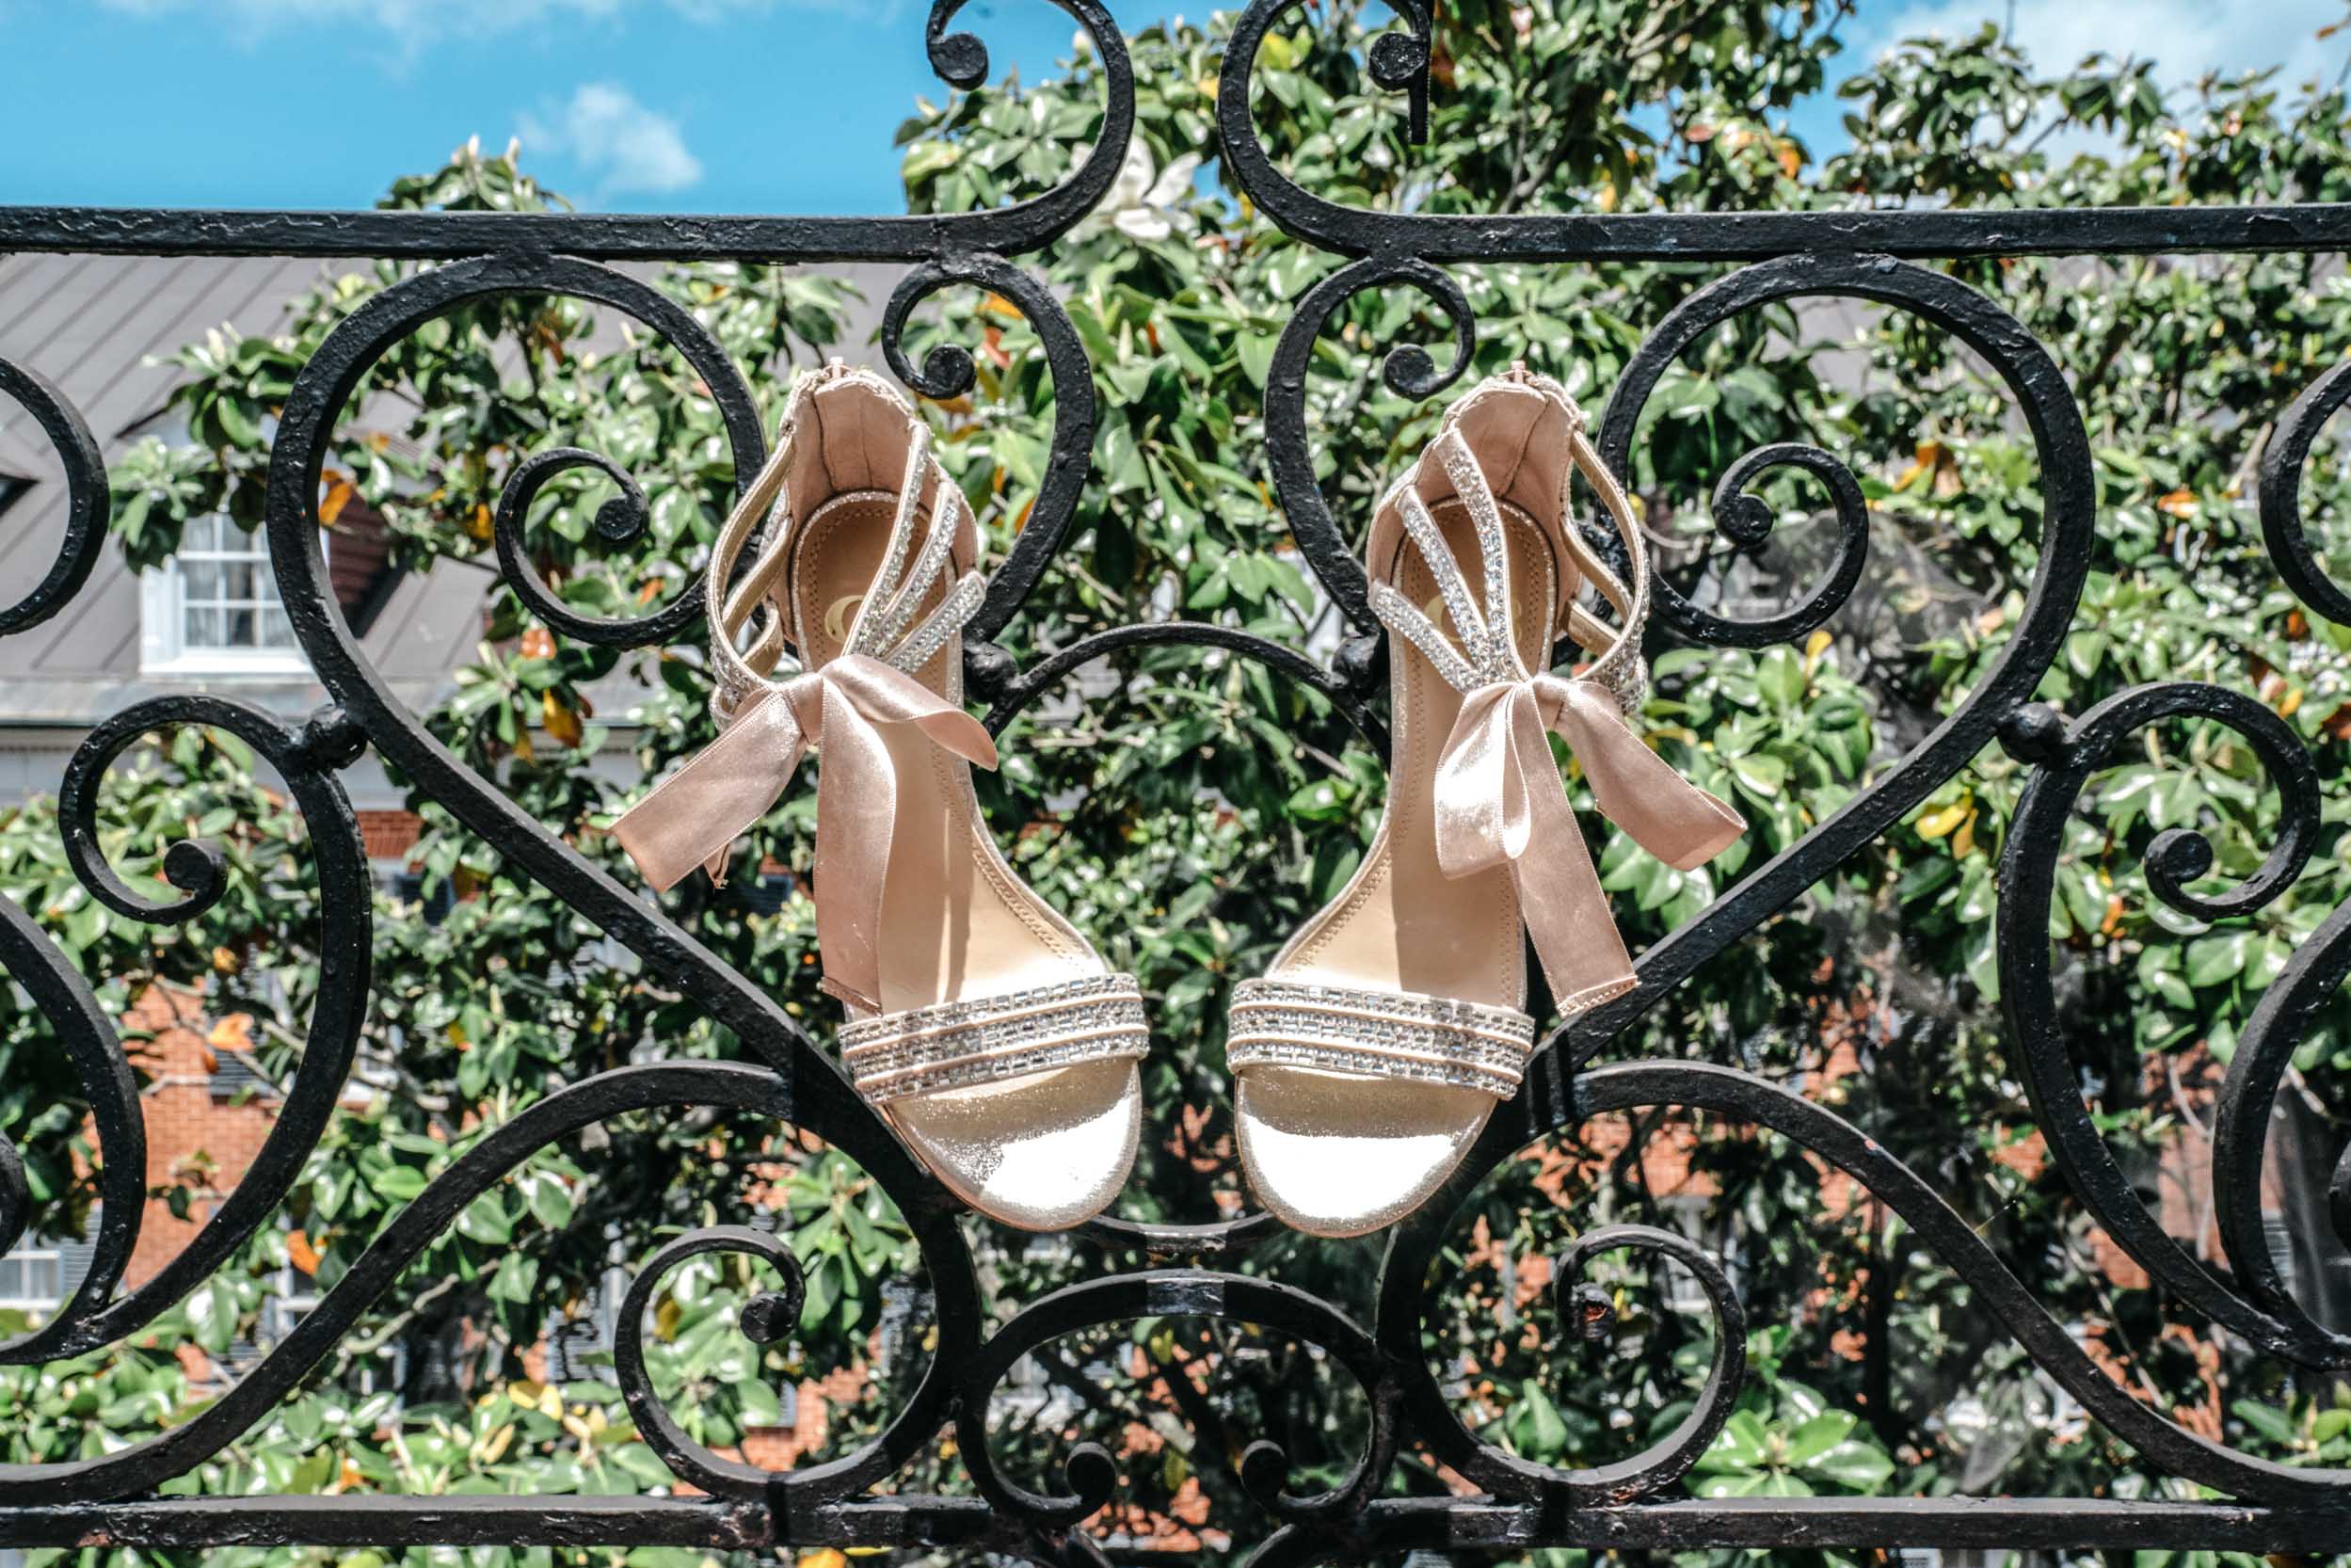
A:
1869, 256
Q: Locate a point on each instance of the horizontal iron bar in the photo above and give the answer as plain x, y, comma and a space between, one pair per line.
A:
485, 1521
2016, 1524
1569, 236
369, 1521
1909, 234
1991, 1522
596, 236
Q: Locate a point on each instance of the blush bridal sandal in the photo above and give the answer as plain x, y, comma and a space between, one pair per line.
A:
1382, 1037
990, 1034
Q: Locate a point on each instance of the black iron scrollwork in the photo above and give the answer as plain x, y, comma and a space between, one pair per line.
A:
1592, 1318
85, 497
2176, 857
2282, 462
1871, 257
306, 758
618, 522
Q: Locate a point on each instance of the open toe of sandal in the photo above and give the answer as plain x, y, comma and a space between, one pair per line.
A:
1354, 1104
1026, 1104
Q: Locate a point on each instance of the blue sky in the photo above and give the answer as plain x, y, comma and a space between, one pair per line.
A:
742, 106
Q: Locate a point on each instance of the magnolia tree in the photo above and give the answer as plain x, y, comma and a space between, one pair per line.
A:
1191, 811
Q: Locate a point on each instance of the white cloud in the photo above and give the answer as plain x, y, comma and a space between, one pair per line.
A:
629, 148
2184, 38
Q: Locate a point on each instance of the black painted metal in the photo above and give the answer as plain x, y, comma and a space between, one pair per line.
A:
110, 1498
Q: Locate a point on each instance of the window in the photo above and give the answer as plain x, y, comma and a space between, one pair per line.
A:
32, 1278
236, 1079
213, 609
571, 1341
228, 595
295, 1297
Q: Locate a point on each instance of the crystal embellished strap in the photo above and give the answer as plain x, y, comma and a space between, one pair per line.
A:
955, 1044
905, 579
1488, 648
1291, 1023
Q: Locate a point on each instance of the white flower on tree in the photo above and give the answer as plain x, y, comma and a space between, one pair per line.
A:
1144, 201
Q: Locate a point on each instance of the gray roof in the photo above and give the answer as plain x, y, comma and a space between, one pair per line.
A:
91, 325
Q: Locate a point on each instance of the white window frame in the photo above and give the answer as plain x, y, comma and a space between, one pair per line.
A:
295, 1297
163, 624
1684, 1293
33, 1252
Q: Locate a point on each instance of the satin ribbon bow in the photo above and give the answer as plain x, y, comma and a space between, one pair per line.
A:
693, 817
1500, 802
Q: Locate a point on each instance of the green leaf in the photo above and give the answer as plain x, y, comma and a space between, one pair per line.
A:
1760, 773
239, 424
759, 1403
1256, 357
1739, 1446
401, 1183
927, 159
1729, 1484
1541, 1431
550, 1200
1819, 1435
1779, 676
514, 1280
643, 1464
1856, 1466
2269, 1421
484, 1221
2219, 958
